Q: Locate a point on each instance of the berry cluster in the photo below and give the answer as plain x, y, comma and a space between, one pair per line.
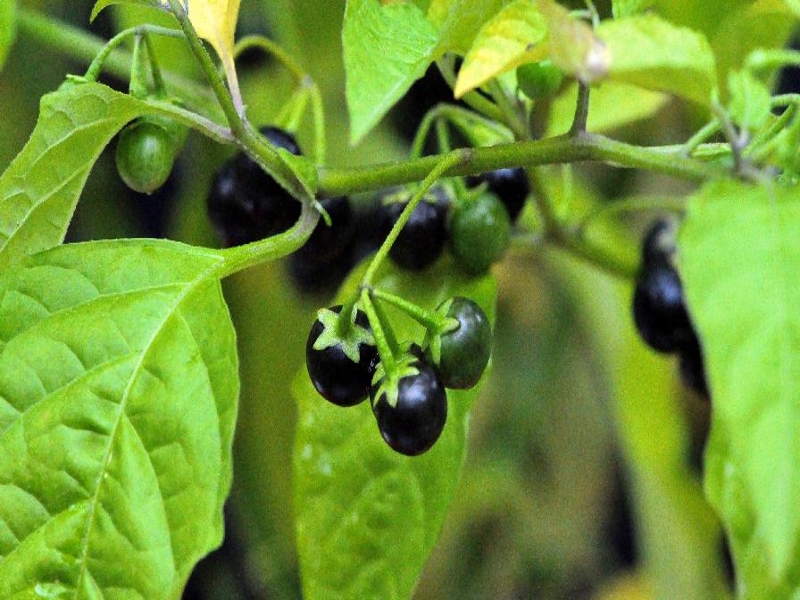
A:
477, 229
407, 388
659, 307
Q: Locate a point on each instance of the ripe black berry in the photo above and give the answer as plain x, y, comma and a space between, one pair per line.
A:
326, 257
659, 309
464, 351
340, 355
422, 238
411, 412
245, 203
511, 186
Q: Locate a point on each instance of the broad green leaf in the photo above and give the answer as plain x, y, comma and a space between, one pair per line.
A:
366, 516
8, 20
652, 53
739, 257
504, 42
459, 21
749, 100
624, 8
572, 45
118, 391
794, 5
386, 49
611, 105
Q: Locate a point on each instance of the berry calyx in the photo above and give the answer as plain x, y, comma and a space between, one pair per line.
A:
410, 406
480, 232
340, 355
461, 352
145, 155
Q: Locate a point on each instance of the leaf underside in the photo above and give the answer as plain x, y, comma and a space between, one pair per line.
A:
118, 391
740, 251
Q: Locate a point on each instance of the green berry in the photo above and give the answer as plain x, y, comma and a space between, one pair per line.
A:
480, 232
539, 80
145, 155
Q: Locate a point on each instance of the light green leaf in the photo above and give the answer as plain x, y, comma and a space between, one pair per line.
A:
794, 5
367, 517
749, 100
652, 53
118, 391
459, 22
504, 42
572, 44
8, 22
101, 4
386, 49
611, 105
624, 8
739, 257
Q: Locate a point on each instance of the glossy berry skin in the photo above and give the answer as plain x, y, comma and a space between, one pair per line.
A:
416, 421
325, 258
245, 203
423, 237
480, 232
511, 186
464, 351
692, 369
659, 309
336, 375
540, 79
144, 156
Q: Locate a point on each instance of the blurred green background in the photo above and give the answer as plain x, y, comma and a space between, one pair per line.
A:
583, 477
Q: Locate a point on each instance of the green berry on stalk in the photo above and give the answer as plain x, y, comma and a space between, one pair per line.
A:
461, 352
540, 79
480, 232
145, 155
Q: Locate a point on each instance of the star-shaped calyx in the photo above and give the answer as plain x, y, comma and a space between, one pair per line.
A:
340, 329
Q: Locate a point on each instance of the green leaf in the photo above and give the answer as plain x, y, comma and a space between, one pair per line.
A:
40, 188
504, 42
749, 100
367, 517
386, 49
572, 44
625, 8
459, 22
8, 22
611, 105
739, 253
652, 53
118, 391
101, 4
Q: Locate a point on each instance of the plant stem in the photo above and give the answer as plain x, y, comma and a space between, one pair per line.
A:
556, 150
581, 110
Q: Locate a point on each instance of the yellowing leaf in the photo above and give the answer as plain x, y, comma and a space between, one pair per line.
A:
572, 45
215, 21
511, 38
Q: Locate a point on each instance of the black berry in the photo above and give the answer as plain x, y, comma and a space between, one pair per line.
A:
411, 413
511, 186
659, 309
463, 352
340, 356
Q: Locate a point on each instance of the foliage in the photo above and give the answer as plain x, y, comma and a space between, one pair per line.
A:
119, 364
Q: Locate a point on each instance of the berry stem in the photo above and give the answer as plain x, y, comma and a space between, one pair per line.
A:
382, 343
444, 164
434, 322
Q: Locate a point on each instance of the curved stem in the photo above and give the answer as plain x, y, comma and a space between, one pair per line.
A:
385, 349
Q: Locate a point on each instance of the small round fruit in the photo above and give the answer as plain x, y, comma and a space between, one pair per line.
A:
340, 356
540, 79
480, 232
422, 238
659, 309
245, 203
464, 351
511, 186
145, 155
412, 422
